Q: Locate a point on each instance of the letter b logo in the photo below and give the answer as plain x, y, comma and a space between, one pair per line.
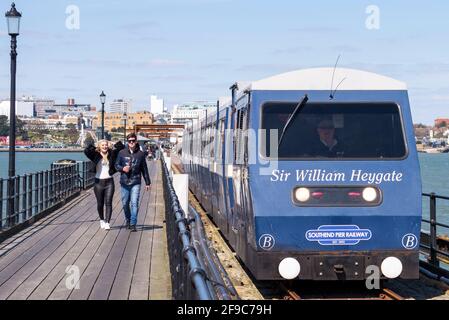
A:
409, 241
266, 241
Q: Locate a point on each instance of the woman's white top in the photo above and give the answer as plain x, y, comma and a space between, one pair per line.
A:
102, 170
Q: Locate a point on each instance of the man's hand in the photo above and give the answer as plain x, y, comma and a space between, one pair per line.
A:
126, 169
147, 188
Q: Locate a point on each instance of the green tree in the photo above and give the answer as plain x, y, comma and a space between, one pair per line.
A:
71, 126
4, 126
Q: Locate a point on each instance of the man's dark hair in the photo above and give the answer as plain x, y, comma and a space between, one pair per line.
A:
131, 135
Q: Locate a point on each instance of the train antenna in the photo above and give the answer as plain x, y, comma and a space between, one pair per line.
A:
331, 95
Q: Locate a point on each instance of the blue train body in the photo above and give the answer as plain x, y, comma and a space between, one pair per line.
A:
335, 234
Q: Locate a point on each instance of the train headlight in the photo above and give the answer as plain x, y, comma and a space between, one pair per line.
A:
369, 194
302, 194
391, 267
289, 268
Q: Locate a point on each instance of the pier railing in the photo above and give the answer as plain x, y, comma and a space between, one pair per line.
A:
435, 242
195, 269
25, 198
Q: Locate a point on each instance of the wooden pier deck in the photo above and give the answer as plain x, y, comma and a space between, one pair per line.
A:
45, 260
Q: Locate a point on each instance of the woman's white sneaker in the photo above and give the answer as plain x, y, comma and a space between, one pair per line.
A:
107, 226
102, 224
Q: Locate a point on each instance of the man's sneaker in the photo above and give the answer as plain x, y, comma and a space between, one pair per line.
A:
127, 224
133, 228
107, 226
102, 224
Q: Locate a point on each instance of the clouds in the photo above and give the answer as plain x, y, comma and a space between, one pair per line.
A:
138, 26
111, 63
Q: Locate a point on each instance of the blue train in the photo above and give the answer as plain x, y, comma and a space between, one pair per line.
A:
309, 180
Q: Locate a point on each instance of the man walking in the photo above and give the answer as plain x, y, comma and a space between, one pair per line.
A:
132, 165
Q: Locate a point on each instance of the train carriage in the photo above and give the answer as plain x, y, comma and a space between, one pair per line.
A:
316, 182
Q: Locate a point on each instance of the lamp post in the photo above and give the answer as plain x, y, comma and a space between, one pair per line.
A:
124, 127
13, 22
103, 100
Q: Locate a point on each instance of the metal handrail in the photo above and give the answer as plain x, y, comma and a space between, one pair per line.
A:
26, 196
432, 247
189, 279
222, 284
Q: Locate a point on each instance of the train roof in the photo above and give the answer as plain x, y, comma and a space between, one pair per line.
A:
321, 78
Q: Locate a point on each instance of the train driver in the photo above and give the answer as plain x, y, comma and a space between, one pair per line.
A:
328, 144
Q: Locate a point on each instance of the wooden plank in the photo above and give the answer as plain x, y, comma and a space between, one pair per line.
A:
44, 230
105, 279
90, 276
122, 283
160, 279
113, 265
37, 255
25, 235
140, 281
90, 261
44, 279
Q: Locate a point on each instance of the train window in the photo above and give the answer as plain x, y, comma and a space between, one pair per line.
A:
333, 130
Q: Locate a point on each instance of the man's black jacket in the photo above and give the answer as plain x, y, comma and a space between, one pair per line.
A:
137, 162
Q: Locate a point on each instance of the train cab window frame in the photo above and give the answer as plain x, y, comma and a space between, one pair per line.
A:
263, 145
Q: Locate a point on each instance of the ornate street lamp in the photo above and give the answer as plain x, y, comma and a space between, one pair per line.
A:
103, 101
13, 22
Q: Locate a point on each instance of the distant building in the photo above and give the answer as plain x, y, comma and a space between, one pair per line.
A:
23, 108
120, 106
156, 105
51, 123
41, 106
115, 120
194, 110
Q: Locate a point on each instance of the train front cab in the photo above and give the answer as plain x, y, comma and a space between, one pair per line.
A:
332, 217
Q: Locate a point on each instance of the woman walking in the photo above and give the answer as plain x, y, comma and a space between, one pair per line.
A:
104, 157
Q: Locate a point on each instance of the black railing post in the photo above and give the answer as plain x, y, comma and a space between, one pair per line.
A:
433, 231
41, 191
24, 197
1, 204
36, 193
30, 195
52, 189
10, 206
46, 189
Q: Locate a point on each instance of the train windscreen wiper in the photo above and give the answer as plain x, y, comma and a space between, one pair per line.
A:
295, 112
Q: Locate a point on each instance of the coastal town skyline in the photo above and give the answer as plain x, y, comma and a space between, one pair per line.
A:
171, 48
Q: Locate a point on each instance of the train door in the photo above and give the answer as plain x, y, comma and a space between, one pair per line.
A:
222, 211
230, 144
208, 165
215, 180
241, 190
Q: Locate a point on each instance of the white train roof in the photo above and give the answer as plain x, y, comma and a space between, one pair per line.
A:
321, 78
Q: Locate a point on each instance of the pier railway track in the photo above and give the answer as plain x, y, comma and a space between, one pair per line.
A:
249, 288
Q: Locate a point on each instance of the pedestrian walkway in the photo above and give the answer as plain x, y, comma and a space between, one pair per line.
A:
45, 260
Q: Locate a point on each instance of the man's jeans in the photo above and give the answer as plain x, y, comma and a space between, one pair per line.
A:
130, 195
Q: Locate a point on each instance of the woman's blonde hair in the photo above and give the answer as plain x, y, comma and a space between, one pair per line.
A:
105, 157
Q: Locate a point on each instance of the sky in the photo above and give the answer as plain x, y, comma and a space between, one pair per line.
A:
189, 50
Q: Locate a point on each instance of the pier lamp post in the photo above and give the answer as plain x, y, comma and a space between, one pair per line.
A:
13, 22
103, 101
124, 118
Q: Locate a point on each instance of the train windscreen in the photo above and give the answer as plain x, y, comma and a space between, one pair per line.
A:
332, 130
